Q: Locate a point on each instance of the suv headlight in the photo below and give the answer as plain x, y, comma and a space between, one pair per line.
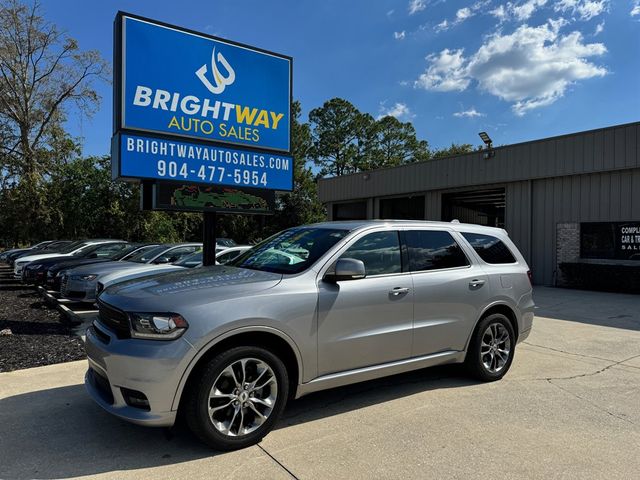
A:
85, 278
157, 326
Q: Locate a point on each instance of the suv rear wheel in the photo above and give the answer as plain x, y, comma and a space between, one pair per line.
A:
491, 349
240, 395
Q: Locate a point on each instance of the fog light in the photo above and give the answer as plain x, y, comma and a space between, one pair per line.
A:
135, 399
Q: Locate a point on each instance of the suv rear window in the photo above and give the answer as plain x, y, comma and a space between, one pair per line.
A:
432, 250
490, 249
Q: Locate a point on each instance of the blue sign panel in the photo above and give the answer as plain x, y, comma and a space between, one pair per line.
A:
163, 159
181, 83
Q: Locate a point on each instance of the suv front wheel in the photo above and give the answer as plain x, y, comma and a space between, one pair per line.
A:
491, 349
239, 396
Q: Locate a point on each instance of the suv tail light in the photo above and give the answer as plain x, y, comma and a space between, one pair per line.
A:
530, 275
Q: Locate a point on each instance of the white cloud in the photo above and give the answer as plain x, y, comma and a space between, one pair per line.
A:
399, 35
524, 10
470, 113
517, 11
583, 9
390, 12
447, 72
416, 6
443, 25
599, 28
500, 12
399, 110
463, 14
635, 8
530, 68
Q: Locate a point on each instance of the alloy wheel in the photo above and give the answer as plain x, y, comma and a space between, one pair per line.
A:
495, 347
242, 397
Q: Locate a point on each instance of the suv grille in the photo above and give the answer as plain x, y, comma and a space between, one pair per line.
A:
115, 320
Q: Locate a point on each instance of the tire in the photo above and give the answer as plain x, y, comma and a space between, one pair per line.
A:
224, 371
487, 360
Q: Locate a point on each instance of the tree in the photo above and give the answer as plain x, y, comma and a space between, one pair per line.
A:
302, 204
338, 136
454, 149
395, 143
43, 73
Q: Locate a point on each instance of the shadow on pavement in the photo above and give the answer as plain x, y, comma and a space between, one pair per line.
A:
617, 310
60, 433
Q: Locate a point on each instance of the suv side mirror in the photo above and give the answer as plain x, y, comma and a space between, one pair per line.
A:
346, 269
161, 260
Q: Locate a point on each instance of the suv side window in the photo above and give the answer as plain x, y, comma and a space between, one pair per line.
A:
432, 250
490, 249
379, 251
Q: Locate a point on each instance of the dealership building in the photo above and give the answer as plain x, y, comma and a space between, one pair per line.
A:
570, 203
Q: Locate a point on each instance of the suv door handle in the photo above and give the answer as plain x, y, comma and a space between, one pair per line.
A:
476, 283
398, 291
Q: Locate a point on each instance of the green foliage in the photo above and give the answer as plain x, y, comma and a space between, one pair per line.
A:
345, 140
395, 143
338, 131
454, 149
43, 74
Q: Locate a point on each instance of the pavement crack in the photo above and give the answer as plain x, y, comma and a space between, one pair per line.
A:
598, 407
568, 353
278, 462
590, 374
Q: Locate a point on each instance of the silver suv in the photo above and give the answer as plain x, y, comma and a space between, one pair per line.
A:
310, 308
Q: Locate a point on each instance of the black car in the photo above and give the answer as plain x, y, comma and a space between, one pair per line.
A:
36, 271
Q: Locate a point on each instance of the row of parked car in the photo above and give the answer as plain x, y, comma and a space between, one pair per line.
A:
79, 270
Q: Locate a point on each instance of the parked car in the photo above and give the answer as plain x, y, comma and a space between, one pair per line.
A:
225, 242
231, 253
52, 247
223, 255
228, 345
73, 249
35, 273
80, 283
46, 271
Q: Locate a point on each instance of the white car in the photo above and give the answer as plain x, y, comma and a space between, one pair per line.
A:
70, 250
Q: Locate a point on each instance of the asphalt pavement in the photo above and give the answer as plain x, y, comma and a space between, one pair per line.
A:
569, 408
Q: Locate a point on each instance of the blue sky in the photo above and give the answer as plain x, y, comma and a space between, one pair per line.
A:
520, 70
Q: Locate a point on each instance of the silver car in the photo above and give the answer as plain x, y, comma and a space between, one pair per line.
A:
79, 283
311, 308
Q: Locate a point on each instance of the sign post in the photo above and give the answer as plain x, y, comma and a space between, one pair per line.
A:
208, 115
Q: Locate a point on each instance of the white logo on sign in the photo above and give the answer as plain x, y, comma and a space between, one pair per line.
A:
219, 81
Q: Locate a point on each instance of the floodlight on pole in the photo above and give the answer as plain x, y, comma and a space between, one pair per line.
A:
490, 152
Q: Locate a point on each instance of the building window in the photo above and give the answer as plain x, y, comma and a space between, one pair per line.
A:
405, 208
432, 250
490, 249
350, 211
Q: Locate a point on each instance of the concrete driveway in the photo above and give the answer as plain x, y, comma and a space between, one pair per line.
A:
569, 408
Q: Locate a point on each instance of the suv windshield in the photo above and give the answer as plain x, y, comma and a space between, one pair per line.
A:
290, 251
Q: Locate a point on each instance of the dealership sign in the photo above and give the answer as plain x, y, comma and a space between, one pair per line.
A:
610, 240
164, 159
190, 107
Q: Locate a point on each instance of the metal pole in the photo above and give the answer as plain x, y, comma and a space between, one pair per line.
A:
209, 238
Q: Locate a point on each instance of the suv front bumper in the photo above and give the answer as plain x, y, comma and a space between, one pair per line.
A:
153, 368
